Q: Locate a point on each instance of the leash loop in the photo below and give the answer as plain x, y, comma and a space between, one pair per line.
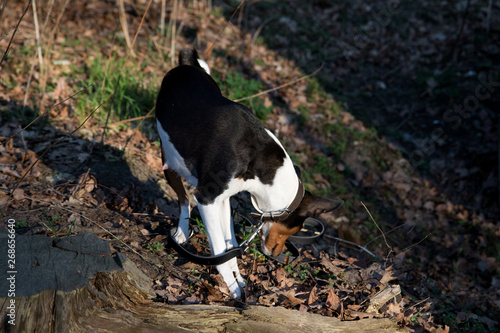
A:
309, 223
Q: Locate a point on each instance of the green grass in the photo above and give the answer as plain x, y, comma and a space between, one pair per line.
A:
133, 97
52, 220
200, 224
156, 247
300, 271
235, 86
21, 224
325, 166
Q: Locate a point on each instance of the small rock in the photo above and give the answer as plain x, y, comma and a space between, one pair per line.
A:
483, 265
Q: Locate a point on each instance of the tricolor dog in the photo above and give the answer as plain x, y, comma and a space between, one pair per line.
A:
221, 148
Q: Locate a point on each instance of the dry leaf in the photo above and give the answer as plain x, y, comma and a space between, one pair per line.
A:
393, 309
312, 296
333, 301
389, 275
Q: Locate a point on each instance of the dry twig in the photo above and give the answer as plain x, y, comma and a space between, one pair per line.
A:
385, 239
281, 86
211, 45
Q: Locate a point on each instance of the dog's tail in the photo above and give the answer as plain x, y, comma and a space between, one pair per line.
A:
190, 57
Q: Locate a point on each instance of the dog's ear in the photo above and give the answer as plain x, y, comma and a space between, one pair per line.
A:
189, 57
319, 205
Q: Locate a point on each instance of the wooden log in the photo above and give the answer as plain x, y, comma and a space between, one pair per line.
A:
74, 284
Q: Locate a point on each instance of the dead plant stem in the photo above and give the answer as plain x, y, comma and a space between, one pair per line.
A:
4, 2
413, 245
123, 21
162, 17
173, 27
130, 120
211, 45
28, 85
37, 35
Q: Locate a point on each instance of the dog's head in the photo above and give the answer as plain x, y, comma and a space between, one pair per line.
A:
275, 234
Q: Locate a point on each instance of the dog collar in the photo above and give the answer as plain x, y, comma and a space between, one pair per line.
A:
281, 215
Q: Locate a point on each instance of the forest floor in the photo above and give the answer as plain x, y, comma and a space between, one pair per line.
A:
401, 118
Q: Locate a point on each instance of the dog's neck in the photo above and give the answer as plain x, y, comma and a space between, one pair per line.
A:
279, 195
280, 214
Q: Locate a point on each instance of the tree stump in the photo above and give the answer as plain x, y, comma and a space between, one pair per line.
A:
75, 284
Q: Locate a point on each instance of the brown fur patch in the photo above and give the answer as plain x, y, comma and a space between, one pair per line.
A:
278, 234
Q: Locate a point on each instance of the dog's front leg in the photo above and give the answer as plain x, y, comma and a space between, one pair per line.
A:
230, 238
212, 219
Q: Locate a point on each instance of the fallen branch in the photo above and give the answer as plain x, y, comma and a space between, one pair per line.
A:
385, 295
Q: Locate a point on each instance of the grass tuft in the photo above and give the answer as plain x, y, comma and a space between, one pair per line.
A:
134, 97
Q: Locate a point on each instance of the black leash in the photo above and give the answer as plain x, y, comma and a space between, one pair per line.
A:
204, 260
311, 232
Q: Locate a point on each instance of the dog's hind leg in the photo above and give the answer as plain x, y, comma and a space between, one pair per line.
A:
175, 182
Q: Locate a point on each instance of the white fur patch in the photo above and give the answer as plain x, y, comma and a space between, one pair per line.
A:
280, 195
204, 65
173, 159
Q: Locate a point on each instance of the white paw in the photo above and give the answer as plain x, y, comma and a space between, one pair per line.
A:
232, 277
235, 290
180, 236
242, 285
240, 280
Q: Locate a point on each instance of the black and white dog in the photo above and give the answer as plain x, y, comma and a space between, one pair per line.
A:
221, 148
